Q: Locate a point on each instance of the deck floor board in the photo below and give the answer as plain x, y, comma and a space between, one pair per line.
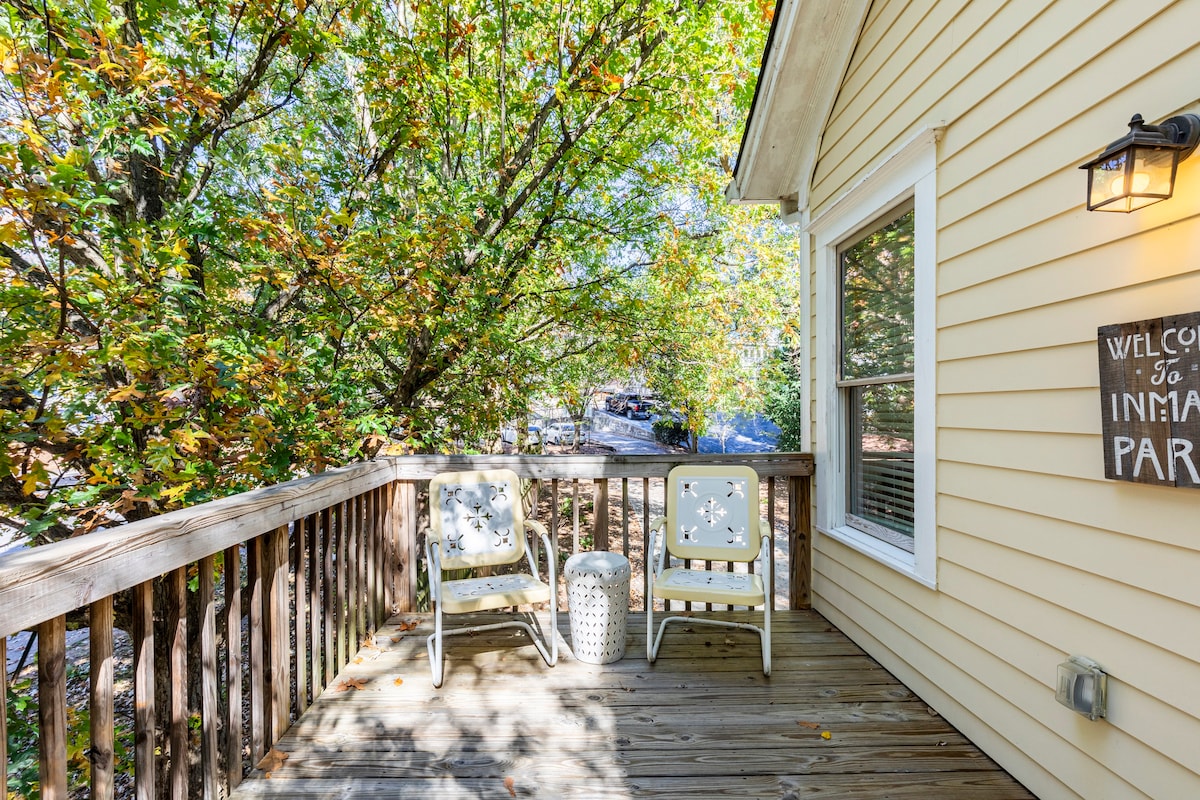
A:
701, 722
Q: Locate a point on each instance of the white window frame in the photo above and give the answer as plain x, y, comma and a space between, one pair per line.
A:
909, 172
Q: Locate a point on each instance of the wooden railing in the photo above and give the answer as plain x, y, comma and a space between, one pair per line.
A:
241, 611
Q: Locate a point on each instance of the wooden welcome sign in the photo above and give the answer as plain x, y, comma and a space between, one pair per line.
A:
1150, 400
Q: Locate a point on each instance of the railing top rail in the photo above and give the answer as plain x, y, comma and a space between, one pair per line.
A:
566, 467
44, 582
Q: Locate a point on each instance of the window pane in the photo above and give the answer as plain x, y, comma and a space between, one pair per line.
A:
877, 302
881, 459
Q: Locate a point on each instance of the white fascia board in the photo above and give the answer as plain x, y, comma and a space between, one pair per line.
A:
801, 76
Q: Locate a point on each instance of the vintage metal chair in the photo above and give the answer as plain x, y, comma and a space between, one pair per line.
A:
477, 520
712, 515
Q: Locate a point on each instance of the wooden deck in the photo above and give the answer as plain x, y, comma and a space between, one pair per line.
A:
702, 722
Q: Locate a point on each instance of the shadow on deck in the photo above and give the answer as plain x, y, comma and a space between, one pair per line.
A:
702, 722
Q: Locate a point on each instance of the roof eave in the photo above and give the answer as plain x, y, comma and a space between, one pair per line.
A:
805, 59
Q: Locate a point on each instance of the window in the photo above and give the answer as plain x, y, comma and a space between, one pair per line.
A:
875, 377
874, 436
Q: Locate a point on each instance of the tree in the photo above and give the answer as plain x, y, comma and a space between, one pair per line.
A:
783, 402
244, 242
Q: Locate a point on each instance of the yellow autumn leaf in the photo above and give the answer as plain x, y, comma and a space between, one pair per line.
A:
125, 393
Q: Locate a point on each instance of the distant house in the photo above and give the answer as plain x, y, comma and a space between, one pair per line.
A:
967, 535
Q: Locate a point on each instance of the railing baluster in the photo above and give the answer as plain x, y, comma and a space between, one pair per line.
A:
342, 532
600, 515
328, 543
4, 711
360, 578
300, 571
351, 555
52, 707
314, 604
364, 549
574, 516
276, 676
772, 488
799, 542
143, 690
372, 537
209, 697
176, 586
647, 538
100, 665
233, 666
554, 511
254, 582
625, 517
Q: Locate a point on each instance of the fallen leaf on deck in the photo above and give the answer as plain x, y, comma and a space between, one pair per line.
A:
510, 784
729, 640
812, 726
272, 761
826, 735
407, 626
350, 683
399, 681
358, 660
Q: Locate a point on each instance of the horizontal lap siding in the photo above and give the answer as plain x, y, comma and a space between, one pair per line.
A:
1039, 556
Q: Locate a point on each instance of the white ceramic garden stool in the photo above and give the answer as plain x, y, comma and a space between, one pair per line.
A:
598, 597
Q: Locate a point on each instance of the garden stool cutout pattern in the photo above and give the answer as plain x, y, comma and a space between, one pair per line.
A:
598, 603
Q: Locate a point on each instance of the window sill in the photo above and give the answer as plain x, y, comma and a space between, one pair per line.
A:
887, 554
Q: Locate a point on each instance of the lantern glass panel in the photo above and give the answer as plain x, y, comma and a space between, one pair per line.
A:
1133, 178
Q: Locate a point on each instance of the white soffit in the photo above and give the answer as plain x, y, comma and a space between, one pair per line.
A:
799, 81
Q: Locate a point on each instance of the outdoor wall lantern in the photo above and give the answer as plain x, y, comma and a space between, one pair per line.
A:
1083, 687
1139, 168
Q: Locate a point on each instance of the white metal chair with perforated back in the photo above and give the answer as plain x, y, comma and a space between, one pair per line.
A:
477, 520
712, 515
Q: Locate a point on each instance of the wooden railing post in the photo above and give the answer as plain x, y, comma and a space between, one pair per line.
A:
800, 542
52, 707
404, 538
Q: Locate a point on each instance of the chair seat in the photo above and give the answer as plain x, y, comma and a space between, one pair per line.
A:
705, 586
497, 591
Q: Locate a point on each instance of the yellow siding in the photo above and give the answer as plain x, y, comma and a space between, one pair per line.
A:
1038, 556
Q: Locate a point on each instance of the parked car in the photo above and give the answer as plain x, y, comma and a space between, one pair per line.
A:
533, 435
631, 405
560, 433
